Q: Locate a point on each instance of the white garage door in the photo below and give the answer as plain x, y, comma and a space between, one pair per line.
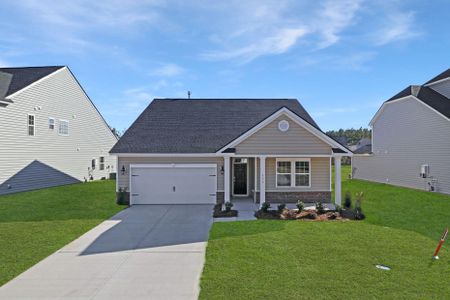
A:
173, 184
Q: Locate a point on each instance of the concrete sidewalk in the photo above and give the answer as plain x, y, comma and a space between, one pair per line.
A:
144, 252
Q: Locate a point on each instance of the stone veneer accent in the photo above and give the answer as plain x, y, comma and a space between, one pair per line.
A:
293, 197
219, 197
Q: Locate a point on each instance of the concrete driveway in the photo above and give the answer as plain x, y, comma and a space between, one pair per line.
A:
144, 252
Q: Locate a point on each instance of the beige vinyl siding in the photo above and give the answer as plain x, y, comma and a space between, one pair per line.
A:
270, 140
123, 180
320, 176
406, 135
60, 97
442, 88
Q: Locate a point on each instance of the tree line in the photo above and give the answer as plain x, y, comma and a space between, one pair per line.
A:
352, 135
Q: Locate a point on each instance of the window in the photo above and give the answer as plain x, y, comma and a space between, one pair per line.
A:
293, 173
102, 163
51, 123
63, 127
93, 163
31, 125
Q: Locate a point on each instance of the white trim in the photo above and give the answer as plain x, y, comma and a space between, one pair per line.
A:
285, 111
28, 125
232, 182
377, 114
117, 174
226, 179
331, 176
34, 83
2, 101
59, 124
172, 166
437, 81
262, 180
167, 155
293, 173
255, 178
293, 191
215, 155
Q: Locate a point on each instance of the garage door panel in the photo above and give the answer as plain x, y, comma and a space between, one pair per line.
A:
172, 184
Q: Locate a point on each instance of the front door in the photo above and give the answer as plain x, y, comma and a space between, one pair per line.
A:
240, 176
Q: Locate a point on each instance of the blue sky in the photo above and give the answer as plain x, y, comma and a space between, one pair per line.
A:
341, 59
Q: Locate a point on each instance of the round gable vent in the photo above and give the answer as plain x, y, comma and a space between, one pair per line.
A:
283, 125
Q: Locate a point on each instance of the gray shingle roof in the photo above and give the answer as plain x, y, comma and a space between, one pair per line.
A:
428, 96
24, 76
441, 76
199, 125
366, 149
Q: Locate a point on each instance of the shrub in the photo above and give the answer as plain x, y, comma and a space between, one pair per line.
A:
300, 206
281, 207
122, 196
228, 206
348, 200
359, 215
338, 208
319, 207
265, 207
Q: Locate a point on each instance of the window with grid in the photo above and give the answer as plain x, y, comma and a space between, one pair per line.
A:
31, 125
63, 128
293, 173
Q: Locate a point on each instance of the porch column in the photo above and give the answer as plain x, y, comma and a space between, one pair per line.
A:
226, 179
262, 180
337, 180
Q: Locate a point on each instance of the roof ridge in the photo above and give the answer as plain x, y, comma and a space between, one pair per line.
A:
34, 67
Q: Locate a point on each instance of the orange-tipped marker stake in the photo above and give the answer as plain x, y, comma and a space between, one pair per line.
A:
444, 236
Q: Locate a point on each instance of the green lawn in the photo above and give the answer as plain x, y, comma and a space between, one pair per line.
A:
293, 259
35, 224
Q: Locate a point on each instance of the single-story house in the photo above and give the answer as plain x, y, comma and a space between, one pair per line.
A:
215, 150
410, 139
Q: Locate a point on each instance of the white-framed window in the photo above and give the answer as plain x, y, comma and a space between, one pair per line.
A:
93, 163
51, 123
31, 125
63, 128
293, 172
101, 165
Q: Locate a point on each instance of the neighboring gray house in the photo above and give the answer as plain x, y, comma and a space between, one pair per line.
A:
411, 139
363, 146
216, 150
50, 131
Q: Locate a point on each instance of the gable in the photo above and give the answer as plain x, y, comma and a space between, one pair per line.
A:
270, 140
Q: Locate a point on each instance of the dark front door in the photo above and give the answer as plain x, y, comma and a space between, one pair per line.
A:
240, 177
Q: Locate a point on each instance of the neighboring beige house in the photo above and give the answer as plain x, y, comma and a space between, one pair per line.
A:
216, 150
411, 139
50, 132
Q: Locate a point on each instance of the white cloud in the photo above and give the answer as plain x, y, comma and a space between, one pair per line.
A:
168, 70
279, 43
333, 18
399, 27
259, 28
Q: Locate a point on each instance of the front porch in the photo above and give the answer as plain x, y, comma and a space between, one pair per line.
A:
252, 180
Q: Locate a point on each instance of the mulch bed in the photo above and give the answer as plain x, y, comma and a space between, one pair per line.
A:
219, 213
307, 215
